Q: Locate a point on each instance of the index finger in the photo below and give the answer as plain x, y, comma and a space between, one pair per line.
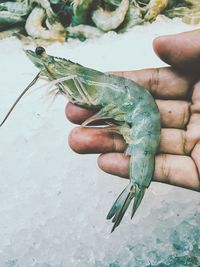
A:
163, 83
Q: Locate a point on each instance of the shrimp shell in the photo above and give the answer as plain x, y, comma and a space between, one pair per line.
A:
176, 12
84, 31
9, 18
15, 8
47, 7
192, 17
10, 32
110, 20
133, 18
154, 8
133, 109
35, 29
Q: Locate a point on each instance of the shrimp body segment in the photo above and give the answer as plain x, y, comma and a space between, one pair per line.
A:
130, 105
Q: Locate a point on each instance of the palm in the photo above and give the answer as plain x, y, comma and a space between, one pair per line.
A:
179, 156
193, 128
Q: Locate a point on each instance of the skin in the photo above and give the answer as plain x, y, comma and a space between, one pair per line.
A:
177, 93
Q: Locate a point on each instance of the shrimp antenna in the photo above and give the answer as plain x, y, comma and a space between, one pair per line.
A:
19, 97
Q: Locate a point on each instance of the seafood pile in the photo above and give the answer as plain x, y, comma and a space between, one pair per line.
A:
57, 20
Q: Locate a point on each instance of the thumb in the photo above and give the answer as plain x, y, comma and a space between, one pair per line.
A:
181, 50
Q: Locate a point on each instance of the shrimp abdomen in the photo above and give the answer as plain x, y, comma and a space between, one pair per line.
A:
144, 134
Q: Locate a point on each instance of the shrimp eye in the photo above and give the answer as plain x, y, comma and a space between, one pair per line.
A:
39, 50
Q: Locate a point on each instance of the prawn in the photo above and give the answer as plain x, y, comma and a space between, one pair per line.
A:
8, 18
110, 20
35, 29
133, 18
188, 15
16, 8
154, 8
10, 32
83, 32
130, 105
192, 17
47, 7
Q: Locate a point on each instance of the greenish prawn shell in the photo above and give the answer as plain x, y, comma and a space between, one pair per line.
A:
132, 108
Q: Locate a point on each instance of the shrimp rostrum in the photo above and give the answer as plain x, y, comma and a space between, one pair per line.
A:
129, 105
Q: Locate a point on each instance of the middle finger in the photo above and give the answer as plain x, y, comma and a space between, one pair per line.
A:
101, 140
174, 113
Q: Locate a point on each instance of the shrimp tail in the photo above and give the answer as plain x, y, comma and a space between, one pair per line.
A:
140, 179
121, 204
139, 193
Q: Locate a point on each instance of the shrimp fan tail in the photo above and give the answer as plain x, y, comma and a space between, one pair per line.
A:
139, 193
121, 204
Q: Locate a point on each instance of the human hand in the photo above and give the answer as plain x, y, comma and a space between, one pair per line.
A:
177, 93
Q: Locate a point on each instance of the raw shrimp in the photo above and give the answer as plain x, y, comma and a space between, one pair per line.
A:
8, 18
130, 105
192, 16
176, 12
10, 32
16, 8
154, 8
35, 29
189, 15
110, 20
47, 7
133, 18
84, 31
